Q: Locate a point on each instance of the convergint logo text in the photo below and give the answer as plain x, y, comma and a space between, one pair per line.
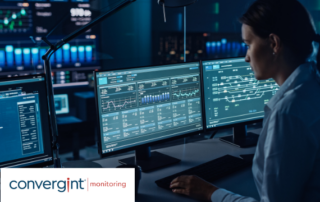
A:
62, 185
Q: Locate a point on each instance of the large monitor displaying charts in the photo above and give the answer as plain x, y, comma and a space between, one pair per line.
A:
25, 135
139, 106
232, 94
24, 23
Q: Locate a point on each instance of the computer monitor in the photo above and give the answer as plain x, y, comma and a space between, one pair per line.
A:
233, 97
61, 104
25, 133
25, 23
138, 107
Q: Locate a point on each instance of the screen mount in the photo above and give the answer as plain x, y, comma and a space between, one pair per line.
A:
149, 161
241, 138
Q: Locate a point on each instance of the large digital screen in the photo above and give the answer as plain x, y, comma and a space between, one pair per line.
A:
22, 26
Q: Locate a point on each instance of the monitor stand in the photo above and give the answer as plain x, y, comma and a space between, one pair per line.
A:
149, 161
241, 138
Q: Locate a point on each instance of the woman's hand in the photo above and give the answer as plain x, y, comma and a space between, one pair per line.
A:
193, 186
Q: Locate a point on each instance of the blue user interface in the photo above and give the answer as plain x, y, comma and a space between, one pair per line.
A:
23, 23
232, 93
24, 126
61, 104
142, 105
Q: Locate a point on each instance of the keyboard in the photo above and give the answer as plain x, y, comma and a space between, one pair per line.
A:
209, 171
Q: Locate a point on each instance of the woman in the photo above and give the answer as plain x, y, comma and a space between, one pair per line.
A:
286, 166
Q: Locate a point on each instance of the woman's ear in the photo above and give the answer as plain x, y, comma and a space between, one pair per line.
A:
275, 43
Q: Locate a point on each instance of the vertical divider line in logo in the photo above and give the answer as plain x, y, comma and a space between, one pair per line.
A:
88, 183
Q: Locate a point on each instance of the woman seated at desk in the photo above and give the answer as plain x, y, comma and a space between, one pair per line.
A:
286, 166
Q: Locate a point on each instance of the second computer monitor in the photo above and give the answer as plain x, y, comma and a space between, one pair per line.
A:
232, 93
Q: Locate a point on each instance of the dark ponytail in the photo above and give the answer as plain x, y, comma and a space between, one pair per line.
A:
288, 19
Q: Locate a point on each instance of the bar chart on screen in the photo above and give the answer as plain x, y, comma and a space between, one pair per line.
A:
154, 96
223, 48
24, 55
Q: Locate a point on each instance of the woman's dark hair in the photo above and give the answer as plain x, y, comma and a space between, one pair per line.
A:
289, 20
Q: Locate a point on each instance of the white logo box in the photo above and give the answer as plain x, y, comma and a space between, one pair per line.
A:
66, 184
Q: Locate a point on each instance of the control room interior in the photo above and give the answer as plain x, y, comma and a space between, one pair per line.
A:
143, 36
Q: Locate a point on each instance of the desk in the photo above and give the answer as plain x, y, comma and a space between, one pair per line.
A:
192, 154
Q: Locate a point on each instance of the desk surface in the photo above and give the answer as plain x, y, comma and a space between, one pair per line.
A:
192, 154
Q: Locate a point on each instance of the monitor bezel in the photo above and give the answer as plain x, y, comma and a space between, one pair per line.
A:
228, 125
46, 163
150, 143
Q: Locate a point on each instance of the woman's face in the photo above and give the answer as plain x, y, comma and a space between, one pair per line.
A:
259, 54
